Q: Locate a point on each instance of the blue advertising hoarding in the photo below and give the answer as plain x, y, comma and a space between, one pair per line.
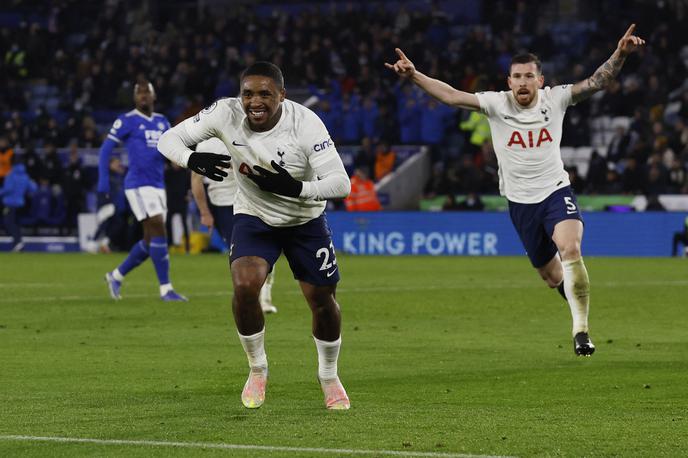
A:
491, 233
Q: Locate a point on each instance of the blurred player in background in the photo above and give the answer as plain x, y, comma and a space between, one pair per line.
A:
139, 130
286, 166
219, 212
526, 124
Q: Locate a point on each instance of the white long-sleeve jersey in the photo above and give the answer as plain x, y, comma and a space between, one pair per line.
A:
299, 142
221, 193
526, 142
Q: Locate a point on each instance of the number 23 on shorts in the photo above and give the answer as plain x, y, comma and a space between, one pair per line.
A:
325, 253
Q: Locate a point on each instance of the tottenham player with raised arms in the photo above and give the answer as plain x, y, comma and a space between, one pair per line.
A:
285, 166
526, 124
217, 209
144, 185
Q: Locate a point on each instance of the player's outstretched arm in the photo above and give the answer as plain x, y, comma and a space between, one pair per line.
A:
608, 70
436, 88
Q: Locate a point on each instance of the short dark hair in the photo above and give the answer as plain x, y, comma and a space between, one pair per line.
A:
143, 81
526, 58
265, 69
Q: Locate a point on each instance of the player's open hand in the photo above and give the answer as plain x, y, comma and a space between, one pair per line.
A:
403, 67
210, 165
277, 183
629, 42
208, 220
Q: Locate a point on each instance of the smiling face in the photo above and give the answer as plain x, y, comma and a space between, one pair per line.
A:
262, 100
524, 82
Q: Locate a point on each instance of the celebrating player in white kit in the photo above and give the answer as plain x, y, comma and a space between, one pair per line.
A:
526, 124
219, 212
286, 166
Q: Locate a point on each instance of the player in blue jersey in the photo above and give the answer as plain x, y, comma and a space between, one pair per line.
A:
144, 186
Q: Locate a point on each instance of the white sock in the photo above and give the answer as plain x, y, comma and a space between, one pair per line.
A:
254, 346
166, 288
328, 352
117, 275
577, 288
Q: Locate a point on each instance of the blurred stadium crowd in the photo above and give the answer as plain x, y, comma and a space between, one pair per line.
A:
65, 80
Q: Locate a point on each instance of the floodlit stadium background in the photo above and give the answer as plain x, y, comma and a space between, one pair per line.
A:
65, 81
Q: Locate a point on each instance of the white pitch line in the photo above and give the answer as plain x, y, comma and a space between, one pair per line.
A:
222, 446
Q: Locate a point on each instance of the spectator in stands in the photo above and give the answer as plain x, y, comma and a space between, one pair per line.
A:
678, 178
478, 132
365, 157
576, 127
385, 159
79, 71
363, 197
47, 205
612, 184
13, 192
52, 169
350, 119
386, 123
490, 168
32, 162
329, 117
433, 121
369, 114
469, 176
472, 203
409, 121
682, 238
653, 203
577, 182
612, 101
632, 177
654, 182
437, 184
74, 186
597, 173
683, 110
6, 154
450, 203
619, 145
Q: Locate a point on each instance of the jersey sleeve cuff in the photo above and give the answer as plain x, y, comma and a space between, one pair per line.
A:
308, 191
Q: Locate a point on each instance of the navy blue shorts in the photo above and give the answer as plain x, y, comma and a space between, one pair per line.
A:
224, 220
535, 223
308, 247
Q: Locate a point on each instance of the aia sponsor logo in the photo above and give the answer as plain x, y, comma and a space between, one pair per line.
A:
529, 139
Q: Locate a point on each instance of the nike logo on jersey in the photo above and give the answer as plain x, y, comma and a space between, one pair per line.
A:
141, 127
572, 212
329, 274
237, 144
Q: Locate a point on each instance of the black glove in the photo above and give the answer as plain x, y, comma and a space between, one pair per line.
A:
210, 165
277, 183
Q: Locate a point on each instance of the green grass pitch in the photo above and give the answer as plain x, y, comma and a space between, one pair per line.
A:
441, 357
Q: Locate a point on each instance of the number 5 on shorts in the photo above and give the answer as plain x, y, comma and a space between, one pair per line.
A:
570, 205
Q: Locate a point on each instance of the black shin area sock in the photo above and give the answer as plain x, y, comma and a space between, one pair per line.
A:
560, 288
